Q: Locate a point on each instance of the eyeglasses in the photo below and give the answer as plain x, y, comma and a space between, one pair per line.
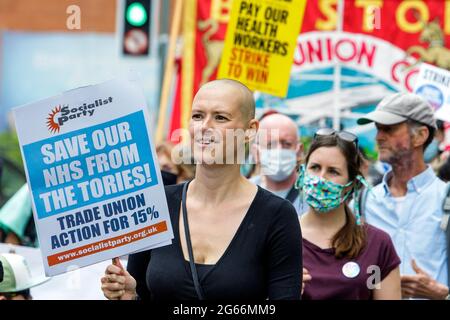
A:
343, 135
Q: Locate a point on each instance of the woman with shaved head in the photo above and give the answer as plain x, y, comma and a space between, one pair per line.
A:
232, 239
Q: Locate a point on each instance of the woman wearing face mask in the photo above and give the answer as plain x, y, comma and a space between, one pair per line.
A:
232, 239
342, 257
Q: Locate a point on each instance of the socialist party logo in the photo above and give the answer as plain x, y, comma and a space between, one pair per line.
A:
59, 116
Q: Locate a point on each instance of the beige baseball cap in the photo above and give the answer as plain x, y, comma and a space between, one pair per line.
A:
17, 276
399, 107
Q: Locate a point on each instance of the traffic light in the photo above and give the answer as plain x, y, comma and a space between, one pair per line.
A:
135, 38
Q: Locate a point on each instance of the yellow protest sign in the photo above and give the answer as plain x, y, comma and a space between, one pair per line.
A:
260, 41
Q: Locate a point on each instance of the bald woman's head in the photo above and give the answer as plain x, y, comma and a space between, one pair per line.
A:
245, 95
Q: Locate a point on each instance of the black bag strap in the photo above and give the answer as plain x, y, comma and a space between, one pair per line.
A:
445, 225
198, 288
292, 194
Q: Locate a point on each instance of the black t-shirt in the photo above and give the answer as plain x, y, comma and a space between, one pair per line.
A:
263, 260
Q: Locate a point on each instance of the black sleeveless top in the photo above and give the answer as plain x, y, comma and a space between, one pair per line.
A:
263, 260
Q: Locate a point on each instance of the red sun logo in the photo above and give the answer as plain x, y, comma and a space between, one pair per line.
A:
52, 125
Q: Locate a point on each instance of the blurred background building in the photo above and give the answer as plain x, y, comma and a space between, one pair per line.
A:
43, 53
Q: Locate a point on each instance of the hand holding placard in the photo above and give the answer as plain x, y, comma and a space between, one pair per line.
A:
117, 283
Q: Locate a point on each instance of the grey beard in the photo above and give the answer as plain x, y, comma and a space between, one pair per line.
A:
402, 158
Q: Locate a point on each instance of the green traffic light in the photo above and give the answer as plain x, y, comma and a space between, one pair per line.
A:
136, 14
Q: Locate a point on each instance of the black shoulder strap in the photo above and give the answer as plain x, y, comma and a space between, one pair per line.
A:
446, 226
198, 288
292, 194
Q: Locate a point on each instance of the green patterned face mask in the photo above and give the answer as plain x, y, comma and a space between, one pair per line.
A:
323, 195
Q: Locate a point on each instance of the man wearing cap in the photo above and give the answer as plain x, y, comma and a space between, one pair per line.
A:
407, 204
17, 279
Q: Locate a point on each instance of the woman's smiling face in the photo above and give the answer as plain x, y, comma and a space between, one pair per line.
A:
217, 123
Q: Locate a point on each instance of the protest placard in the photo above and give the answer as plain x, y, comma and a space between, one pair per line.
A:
433, 84
92, 170
259, 43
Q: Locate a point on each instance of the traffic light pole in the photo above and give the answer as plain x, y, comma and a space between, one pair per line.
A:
168, 71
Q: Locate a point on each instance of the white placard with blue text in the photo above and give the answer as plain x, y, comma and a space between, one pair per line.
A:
93, 173
433, 84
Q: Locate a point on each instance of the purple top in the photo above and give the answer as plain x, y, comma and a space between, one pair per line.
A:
346, 279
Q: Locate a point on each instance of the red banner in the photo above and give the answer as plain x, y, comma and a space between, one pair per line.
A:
204, 28
399, 22
420, 29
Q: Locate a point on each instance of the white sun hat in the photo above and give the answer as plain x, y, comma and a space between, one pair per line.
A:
17, 275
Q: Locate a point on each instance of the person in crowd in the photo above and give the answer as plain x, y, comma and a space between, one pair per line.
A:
343, 258
17, 278
250, 168
232, 239
408, 203
369, 169
436, 153
444, 171
16, 220
278, 152
175, 173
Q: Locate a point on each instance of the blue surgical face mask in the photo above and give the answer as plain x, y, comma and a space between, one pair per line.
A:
432, 151
278, 164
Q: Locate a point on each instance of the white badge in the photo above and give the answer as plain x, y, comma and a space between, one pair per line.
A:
350, 269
